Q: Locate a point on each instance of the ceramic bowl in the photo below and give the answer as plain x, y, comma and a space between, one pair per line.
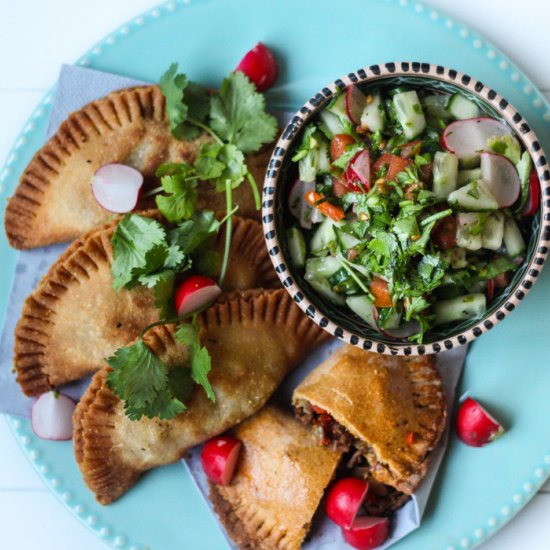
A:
275, 216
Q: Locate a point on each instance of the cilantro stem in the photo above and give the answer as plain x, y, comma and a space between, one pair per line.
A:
206, 129
435, 217
344, 264
228, 215
254, 188
228, 229
152, 192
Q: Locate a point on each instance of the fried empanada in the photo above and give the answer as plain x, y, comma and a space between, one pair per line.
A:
254, 339
53, 201
280, 479
391, 409
75, 319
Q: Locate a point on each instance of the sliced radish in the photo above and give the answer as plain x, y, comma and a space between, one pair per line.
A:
532, 203
501, 178
402, 332
358, 171
299, 207
468, 137
219, 458
355, 103
116, 187
52, 416
490, 290
344, 500
195, 293
367, 532
260, 66
475, 426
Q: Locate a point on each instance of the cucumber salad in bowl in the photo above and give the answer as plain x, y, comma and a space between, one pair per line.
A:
409, 207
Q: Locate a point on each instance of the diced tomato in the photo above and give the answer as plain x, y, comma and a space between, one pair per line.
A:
397, 164
338, 145
384, 160
502, 279
444, 233
331, 210
339, 188
409, 150
318, 410
380, 290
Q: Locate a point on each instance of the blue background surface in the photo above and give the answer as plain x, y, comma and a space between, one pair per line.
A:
478, 489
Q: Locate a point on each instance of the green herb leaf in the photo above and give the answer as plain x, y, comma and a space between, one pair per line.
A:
142, 381
162, 284
139, 247
238, 114
189, 235
506, 145
199, 358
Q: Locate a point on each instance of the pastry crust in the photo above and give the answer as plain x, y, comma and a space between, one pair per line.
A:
53, 201
74, 318
380, 400
279, 482
254, 339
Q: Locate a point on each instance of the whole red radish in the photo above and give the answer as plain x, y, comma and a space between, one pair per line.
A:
367, 532
195, 293
475, 426
219, 458
260, 66
344, 500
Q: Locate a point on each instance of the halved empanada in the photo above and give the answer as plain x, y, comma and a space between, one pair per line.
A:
75, 319
254, 339
391, 409
280, 479
53, 201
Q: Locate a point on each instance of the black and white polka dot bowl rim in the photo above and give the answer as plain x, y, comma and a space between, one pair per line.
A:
369, 75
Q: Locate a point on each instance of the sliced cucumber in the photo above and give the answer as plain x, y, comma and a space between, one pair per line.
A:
473, 196
458, 258
459, 308
436, 106
330, 124
461, 108
323, 267
467, 231
466, 176
338, 106
363, 307
409, 113
372, 117
323, 163
513, 239
323, 288
445, 171
493, 231
323, 237
345, 240
296, 247
468, 163
307, 166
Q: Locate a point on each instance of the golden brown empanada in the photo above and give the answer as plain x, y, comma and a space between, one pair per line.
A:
280, 479
391, 409
53, 201
254, 338
75, 319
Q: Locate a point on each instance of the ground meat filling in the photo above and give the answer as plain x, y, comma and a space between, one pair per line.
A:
383, 499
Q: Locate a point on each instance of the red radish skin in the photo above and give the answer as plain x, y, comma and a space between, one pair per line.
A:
52, 416
344, 500
490, 291
219, 459
475, 426
116, 187
467, 137
260, 66
367, 532
195, 293
501, 177
355, 103
358, 172
532, 204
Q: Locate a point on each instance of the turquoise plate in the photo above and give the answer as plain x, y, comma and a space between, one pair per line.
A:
509, 368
